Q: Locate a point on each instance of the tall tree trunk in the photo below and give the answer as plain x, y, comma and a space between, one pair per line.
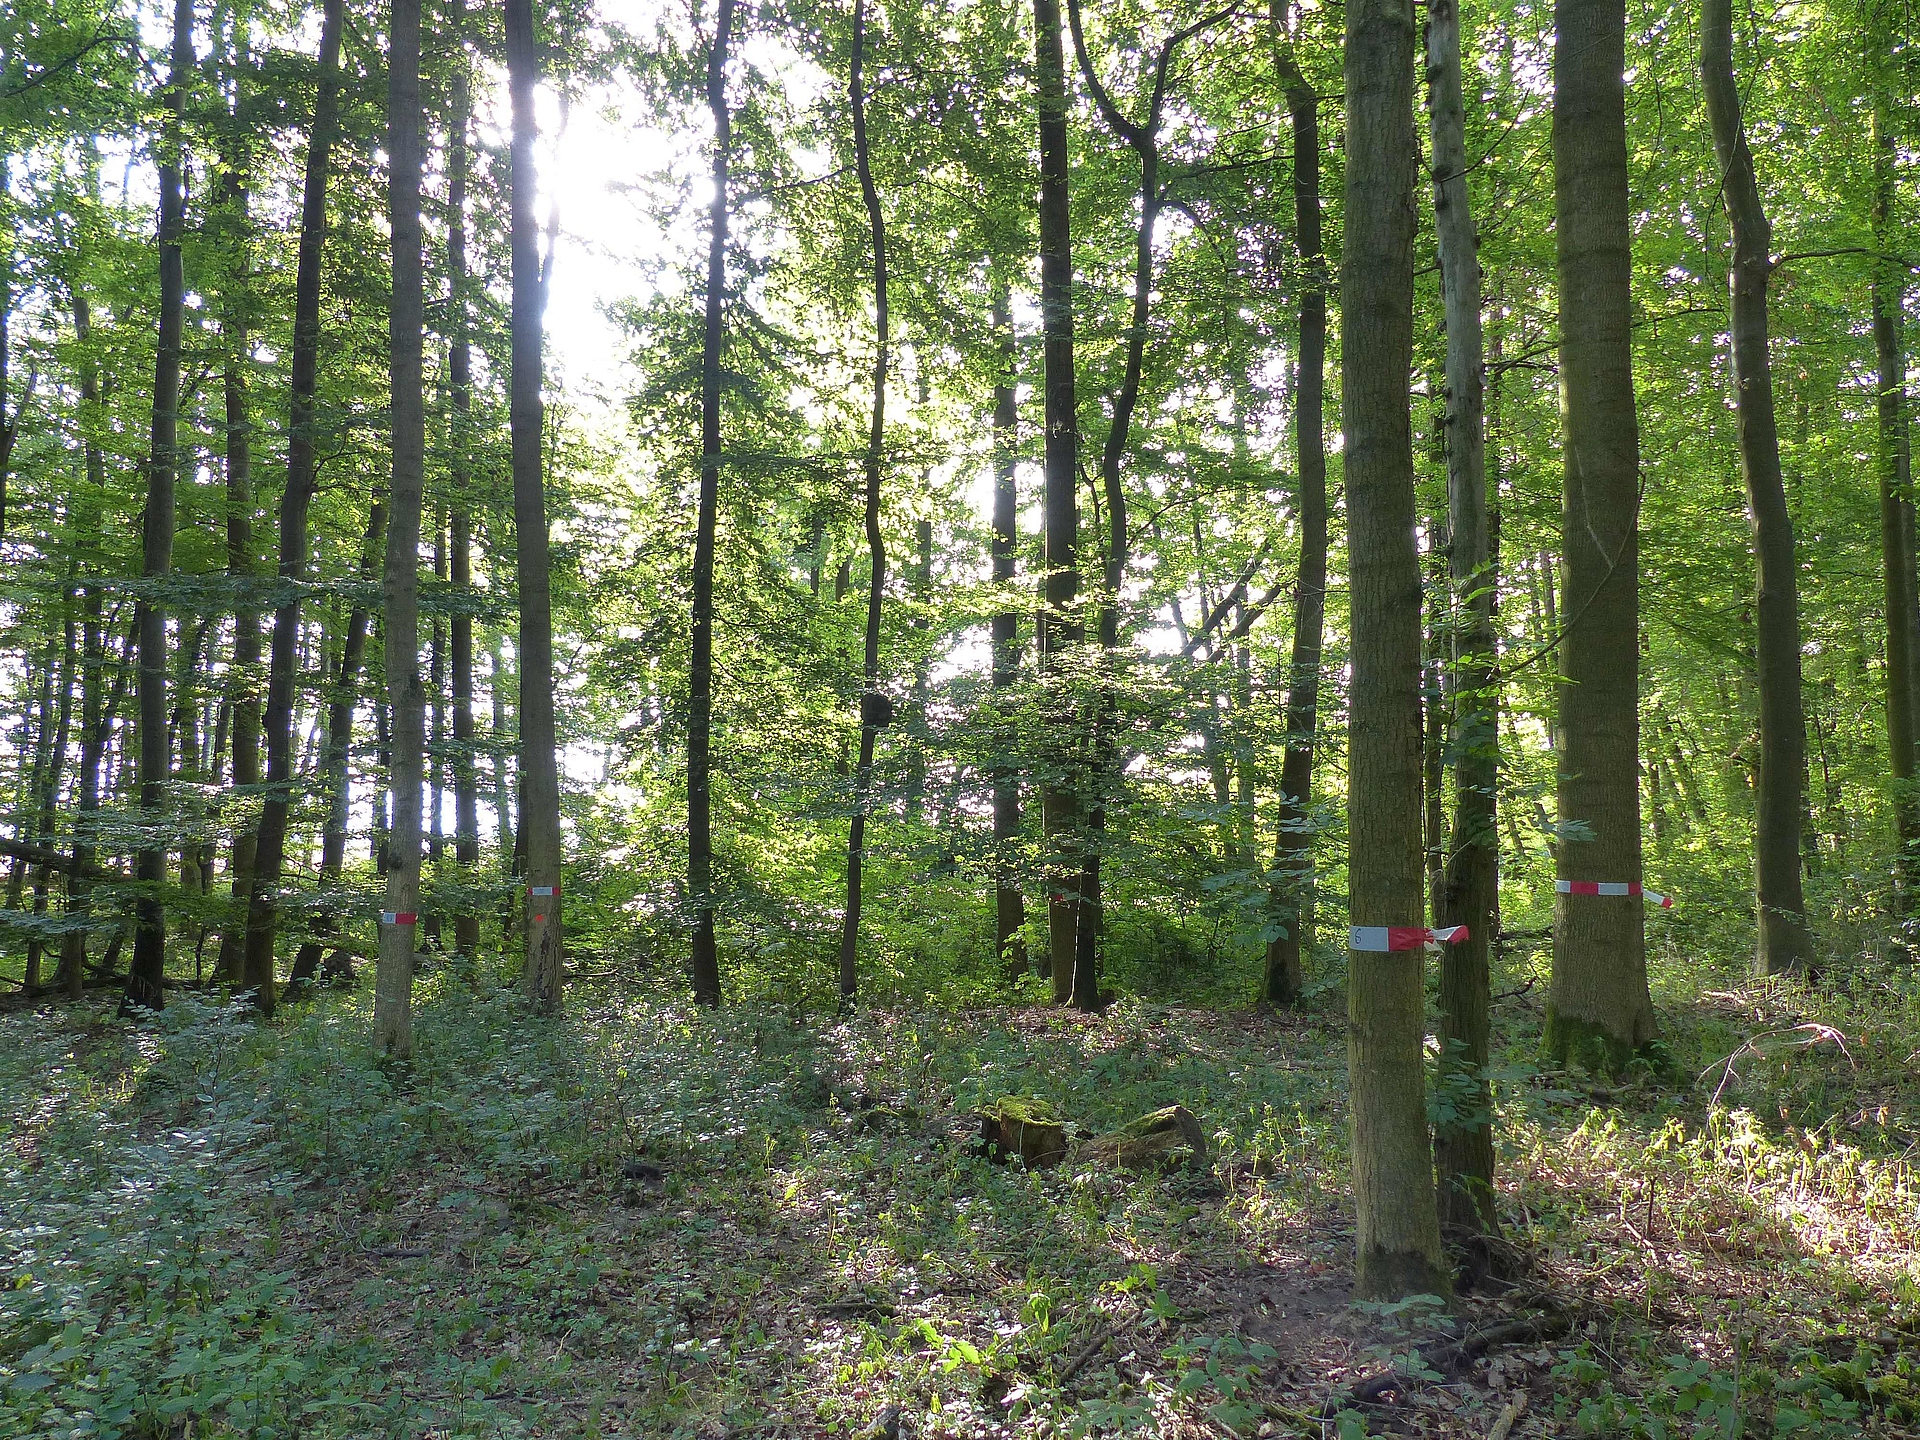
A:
146, 972
916, 737
283, 659
245, 723
1009, 905
1469, 893
337, 750
875, 710
1896, 491
1398, 1233
1059, 628
1784, 943
393, 981
1143, 139
466, 802
539, 747
55, 719
436, 737
1598, 1009
706, 959
1291, 894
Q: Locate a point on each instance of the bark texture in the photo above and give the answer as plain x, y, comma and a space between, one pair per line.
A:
406, 699
539, 749
1469, 891
1009, 904
1784, 944
1398, 1231
1598, 1009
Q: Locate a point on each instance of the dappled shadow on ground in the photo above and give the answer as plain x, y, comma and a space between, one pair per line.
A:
647, 1220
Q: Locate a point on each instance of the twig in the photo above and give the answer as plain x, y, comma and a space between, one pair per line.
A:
1079, 1361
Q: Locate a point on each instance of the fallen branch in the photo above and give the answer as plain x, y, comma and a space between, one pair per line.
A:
1079, 1362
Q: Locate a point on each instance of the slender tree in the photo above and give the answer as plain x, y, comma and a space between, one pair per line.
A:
706, 959
1292, 890
393, 982
295, 501
466, 802
1060, 629
146, 973
1009, 905
1599, 1008
875, 709
539, 748
1896, 477
1785, 944
1469, 892
1398, 1235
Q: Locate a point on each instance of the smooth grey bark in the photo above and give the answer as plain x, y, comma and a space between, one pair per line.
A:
1398, 1232
466, 797
1599, 1009
1784, 943
1469, 890
542, 974
406, 700
875, 710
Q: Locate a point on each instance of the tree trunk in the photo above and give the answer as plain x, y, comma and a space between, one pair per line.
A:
1059, 628
874, 707
1896, 502
283, 659
1291, 893
539, 748
245, 724
706, 959
1784, 943
1598, 1009
466, 802
393, 981
1469, 894
147, 969
1398, 1233
436, 736
1009, 904
336, 752
55, 718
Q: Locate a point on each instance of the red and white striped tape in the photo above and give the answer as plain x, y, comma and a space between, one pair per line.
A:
1380, 939
399, 917
1612, 887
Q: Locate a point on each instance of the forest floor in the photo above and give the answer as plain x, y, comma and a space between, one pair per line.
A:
645, 1220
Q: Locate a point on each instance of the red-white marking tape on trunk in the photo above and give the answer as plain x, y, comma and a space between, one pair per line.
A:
1612, 887
1382, 938
398, 917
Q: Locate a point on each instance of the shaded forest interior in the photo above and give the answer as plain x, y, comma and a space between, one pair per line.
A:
896, 717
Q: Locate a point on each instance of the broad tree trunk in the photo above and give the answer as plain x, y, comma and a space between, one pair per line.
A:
1598, 1009
706, 959
1896, 496
263, 917
1059, 628
147, 970
1469, 893
1291, 895
1009, 904
1398, 1233
393, 981
539, 748
466, 802
1784, 943
337, 750
874, 707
